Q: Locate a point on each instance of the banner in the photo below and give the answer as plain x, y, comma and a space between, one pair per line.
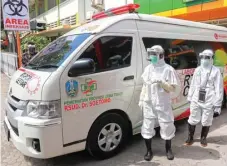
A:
16, 15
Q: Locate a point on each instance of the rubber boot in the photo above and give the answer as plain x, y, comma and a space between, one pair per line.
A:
191, 131
169, 153
149, 155
204, 133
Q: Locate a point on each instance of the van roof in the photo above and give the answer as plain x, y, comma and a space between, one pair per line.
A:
101, 24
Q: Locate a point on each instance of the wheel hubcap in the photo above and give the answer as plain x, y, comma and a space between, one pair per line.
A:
109, 137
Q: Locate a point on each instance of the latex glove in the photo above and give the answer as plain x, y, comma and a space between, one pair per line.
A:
141, 105
217, 111
165, 85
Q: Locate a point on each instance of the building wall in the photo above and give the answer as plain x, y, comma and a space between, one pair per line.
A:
67, 8
85, 10
172, 8
115, 3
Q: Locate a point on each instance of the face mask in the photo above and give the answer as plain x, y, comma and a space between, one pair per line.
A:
153, 59
205, 62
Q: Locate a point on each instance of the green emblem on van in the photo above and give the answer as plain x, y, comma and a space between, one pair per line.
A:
89, 86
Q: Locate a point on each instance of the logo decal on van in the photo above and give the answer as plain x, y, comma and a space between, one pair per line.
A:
71, 88
91, 101
219, 36
89, 86
23, 79
33, 85
29, 80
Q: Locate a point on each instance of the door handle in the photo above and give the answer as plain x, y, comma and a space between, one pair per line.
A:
128, 78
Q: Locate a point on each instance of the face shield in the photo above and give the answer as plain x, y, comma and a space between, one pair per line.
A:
153, 56
206, 59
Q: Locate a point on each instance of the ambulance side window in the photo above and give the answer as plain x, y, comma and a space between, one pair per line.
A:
110, 52
184, 59
180, 54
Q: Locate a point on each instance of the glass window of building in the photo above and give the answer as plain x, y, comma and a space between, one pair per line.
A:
41, 7
51, 4
62, 1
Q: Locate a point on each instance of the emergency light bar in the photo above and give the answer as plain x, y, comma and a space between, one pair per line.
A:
130, 8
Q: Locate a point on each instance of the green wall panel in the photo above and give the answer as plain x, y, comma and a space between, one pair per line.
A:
160, 5
156, 6
144, 6
179, 3
197, 2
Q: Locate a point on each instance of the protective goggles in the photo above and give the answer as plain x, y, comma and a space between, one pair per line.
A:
204, 56
150, 52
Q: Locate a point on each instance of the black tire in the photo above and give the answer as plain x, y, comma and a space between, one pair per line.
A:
92, 141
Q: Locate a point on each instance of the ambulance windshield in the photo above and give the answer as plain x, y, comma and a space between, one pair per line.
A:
57, 52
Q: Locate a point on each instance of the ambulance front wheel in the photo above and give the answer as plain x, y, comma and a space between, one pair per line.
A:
107, 136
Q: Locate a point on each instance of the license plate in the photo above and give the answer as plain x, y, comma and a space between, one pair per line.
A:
7, 131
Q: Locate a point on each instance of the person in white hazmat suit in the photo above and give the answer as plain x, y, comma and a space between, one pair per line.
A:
159, 80
205, 96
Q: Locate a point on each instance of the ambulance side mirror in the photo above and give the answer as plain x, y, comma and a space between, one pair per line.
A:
82, 67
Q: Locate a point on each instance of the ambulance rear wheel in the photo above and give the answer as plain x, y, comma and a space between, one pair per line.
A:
107, 136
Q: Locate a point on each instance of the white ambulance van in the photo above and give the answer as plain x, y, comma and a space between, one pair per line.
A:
82, 90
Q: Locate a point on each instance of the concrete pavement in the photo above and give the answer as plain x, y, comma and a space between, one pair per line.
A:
132, 155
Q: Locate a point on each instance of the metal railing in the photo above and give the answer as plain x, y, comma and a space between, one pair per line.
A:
71, 20
220, 22
8, 63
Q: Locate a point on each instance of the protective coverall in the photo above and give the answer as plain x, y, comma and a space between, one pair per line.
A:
159, 81
205, 96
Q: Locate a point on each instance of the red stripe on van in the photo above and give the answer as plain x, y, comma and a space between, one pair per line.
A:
183, 115
22, 69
